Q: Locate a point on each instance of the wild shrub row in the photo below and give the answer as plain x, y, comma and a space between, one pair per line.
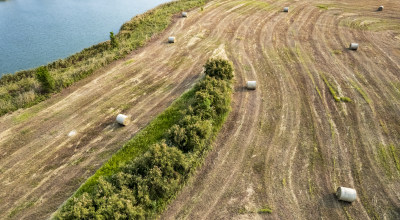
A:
142, 187
23, 88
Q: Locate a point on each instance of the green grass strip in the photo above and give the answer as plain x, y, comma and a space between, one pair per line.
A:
395, 157
333, 91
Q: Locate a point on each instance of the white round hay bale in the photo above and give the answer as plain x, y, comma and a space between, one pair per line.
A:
353, 46
72, 133
346, 194
286, 9
184, 14
380, 8
171, 40
251, 85
122, 119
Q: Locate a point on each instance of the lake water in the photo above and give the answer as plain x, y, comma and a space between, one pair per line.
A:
36, 32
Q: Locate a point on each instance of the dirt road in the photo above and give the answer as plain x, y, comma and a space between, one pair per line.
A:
286, 146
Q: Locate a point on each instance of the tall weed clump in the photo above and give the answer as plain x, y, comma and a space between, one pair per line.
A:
132, 35
142, 187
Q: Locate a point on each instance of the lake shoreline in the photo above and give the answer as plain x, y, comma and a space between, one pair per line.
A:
38, 33
22, 89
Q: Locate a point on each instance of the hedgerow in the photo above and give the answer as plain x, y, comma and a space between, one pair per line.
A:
142, 187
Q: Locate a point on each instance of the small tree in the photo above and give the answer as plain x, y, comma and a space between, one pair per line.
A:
114, 42
219, 68
46, 80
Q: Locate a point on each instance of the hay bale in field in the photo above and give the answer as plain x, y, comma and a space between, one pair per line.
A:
122, 119
286, 9
380, 8
251, 85
353, 46
171, 40
184, 14
72, 133
346, 194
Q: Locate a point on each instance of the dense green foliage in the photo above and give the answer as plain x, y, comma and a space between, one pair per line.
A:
113, 40
45, 79
22, 89
137, 188
219, 68
140, 188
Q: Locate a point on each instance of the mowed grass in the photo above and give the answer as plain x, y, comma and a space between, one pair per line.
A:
371, 23
21, 207
389, 159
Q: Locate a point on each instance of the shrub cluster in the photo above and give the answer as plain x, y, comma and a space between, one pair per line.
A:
45, 79
134, 190
219, 68
113, 40
141, 188
22, 89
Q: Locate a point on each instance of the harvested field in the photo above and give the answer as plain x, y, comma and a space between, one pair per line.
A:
286, 146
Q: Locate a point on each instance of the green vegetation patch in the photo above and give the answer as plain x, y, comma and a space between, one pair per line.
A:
324, 7
265, 209
395, 155
384, 159
21, 207
23, 117
345, 99
256, 4
370, 23
389, 158
333, 91
29, 87
337, 52
141, 178
129, 61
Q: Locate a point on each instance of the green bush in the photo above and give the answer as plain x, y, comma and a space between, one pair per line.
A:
219, 68
45, 79
214, 91
113, 40
190, 134
138, 188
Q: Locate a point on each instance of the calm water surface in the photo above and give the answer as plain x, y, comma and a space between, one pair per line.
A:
36, 32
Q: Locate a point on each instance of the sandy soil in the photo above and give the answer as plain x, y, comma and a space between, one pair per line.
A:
286, 145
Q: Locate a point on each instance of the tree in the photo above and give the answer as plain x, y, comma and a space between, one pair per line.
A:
114, 42
219, 68
46, 80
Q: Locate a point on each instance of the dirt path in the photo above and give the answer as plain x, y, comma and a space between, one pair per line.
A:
287, 145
